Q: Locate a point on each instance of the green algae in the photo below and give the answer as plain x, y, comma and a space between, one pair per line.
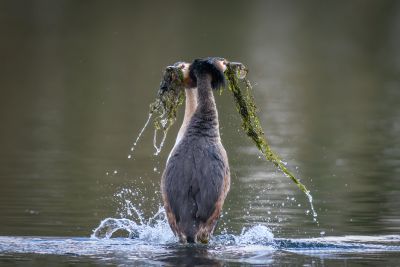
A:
235, 74
247, 109
169, 97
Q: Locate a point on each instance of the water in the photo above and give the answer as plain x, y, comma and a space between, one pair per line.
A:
75, 87
151, 242
255, 245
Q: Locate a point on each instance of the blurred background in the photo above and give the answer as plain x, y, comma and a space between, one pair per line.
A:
77, 78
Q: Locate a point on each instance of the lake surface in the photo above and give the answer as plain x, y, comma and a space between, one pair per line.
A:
76, 82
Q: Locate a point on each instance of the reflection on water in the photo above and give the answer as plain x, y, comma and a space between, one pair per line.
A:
77, 78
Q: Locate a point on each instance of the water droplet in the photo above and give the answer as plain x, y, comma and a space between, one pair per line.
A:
158, 147
155, 169
310, 199
141, 132
129, 156
322, 233
115, 172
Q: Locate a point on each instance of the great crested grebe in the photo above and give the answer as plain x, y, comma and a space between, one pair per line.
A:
196, 178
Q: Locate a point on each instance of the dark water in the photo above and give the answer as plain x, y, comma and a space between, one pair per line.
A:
76, 79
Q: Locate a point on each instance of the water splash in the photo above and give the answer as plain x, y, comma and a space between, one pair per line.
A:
132, 211
151, 242
310, 200
259, 234
140, 134
159, 147
155, 230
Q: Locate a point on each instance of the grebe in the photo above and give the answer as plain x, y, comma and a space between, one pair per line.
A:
196, 178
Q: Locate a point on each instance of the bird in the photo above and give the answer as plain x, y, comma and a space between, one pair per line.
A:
196, 178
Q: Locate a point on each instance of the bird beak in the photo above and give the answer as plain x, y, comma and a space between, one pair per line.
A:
185, 70
220, 63
187, 81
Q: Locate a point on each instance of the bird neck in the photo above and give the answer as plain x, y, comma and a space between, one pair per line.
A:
204, 121
206, 102
190, 108
190, 103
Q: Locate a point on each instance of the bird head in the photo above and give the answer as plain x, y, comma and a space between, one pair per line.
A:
213, 66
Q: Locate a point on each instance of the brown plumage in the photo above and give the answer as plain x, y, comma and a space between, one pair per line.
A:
196, 179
